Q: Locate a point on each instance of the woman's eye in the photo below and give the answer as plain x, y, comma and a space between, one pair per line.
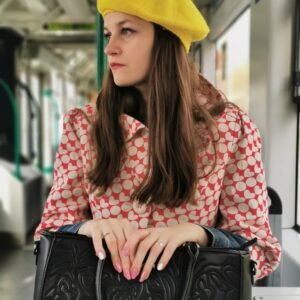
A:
127, 31
107, 36
124, 32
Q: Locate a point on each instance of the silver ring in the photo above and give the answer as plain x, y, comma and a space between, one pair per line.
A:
161, 244
105, 234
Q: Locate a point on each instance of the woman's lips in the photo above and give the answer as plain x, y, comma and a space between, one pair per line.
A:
115, 66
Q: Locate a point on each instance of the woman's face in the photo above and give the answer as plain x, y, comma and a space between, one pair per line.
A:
130, 41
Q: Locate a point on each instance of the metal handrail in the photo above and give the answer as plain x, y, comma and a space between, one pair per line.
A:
33, 104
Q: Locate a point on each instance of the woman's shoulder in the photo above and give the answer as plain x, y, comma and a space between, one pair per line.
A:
80, 115
234, 123
235, 118
79, 119
87, 111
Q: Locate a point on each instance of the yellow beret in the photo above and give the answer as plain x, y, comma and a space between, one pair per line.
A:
179, 16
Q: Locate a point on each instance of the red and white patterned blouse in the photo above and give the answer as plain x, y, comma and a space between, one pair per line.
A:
234, 193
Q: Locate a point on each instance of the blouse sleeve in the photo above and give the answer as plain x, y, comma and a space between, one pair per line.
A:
67, 202
244, 198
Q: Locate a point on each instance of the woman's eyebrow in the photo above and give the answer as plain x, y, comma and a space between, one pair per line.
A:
119, 23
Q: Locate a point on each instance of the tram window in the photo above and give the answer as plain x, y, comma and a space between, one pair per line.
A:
197, 57
70, 94
35, 86
297, 95
233, 61
224, 60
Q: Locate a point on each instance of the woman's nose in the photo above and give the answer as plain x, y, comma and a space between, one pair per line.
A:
112, 47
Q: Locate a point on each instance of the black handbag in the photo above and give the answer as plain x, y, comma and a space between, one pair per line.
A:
68, 269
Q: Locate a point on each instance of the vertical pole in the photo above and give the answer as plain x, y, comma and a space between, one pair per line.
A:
101, 58
296, 75
296, 98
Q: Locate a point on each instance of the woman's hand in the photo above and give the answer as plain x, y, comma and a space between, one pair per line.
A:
116, 233
156, 241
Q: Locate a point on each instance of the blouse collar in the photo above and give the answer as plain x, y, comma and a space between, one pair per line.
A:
130, 126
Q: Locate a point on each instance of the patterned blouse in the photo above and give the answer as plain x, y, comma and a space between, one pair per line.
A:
232, 196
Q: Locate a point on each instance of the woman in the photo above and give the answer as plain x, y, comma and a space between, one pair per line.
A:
162, 159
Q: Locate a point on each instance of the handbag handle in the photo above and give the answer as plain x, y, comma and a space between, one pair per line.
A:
192, 250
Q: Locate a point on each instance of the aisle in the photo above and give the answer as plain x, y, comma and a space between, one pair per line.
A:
17, 271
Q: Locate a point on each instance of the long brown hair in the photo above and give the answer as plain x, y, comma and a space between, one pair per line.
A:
170, 111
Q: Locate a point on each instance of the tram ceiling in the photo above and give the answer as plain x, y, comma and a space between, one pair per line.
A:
36, 16
65, 27
33, 16
41, 18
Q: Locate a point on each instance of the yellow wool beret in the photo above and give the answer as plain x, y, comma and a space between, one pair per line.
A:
179, 16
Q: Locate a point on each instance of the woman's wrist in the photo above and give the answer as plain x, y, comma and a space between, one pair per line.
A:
196, 234
85, 228
203, 238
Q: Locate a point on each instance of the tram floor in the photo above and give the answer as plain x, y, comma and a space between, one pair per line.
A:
17, 273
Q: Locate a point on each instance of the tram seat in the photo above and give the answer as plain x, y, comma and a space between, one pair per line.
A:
275, 216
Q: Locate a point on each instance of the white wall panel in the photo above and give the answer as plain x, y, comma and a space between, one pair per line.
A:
271, 104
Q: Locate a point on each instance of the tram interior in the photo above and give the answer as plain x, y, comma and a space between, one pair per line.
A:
49, 63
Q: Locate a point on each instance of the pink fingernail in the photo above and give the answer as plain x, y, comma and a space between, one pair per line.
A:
143, 277
127, 275
134, 273
118, 267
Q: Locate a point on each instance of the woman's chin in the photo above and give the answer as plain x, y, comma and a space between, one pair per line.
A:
123, 83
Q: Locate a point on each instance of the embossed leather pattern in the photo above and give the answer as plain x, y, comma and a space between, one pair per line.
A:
217, 275
169, 284
67, 269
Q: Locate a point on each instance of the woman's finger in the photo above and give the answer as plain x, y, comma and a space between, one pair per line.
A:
129, 232
154, 253
142, 250
167, 255
98, 246
102, 230
133, 240
121, 240
112, 245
